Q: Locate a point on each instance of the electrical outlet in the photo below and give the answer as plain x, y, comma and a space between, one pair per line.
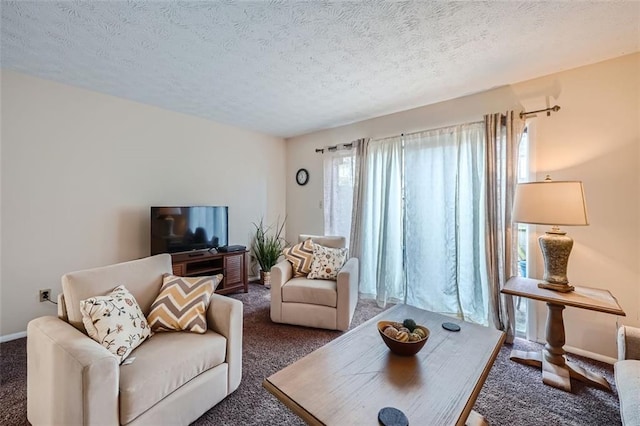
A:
45, 294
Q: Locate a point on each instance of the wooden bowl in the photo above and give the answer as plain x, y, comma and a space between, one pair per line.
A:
402, 348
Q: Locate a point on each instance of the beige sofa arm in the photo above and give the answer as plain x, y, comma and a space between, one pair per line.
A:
347, 293
280, 274
71, 379
628, 342
224, 316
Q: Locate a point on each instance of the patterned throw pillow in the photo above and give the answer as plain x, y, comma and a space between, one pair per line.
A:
300, 256
182, 303
327, 262
115, 321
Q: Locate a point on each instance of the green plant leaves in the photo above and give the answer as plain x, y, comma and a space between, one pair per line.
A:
268, 244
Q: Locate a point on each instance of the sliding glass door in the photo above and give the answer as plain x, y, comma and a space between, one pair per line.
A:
444, 221
423, 222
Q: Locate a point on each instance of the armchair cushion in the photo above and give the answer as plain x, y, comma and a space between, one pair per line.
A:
628, 342
327, 241
163, 364
142, 277
327, 262
182, 303
300, 256
115, 321
315, 292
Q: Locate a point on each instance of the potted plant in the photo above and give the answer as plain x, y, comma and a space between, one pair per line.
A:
268, 245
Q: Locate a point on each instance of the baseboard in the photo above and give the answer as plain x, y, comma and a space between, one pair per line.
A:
14, 336
587, 354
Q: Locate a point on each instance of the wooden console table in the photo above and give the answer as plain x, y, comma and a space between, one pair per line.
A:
232, 265
556, 370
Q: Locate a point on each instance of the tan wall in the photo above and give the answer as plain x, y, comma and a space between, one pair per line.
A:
80, 170
594, 138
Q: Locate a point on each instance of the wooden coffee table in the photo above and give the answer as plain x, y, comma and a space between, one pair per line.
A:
351, 378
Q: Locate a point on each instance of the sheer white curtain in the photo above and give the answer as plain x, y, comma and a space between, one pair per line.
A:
445, 261
381, 227
423, 222
338, 192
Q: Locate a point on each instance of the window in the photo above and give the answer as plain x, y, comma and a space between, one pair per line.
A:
338, 192
423, 225
523, 237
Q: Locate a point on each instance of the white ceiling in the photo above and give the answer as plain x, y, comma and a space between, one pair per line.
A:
292, 67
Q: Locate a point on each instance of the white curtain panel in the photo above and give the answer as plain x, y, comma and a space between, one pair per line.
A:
423, 213
445, 261
381, 227
338, 192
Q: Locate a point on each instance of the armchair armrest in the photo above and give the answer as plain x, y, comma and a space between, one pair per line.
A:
280, 274
224, 316
628, 342
347, 287
71, 379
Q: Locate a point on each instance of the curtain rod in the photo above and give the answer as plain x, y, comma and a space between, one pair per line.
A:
335, 147
554, 108
349, 145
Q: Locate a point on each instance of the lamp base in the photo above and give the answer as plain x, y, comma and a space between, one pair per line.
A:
562, 288
556, 247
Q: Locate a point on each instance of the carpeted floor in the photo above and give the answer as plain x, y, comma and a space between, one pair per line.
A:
512, 395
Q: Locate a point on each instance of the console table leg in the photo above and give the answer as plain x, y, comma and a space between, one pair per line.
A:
527, 358
556, 375
587, 376
553, 350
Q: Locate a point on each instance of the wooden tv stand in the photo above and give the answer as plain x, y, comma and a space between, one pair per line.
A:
232, 265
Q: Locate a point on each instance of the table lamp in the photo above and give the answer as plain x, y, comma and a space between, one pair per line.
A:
552, 203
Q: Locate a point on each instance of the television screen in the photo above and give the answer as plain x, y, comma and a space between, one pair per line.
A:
179, 229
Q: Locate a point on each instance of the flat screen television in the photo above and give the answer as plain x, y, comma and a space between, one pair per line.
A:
178, 229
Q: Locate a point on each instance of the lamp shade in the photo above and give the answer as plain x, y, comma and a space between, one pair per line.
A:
169, 211
550, 203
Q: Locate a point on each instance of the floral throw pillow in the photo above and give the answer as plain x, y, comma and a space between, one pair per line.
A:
327, 262
115, 321
300, 256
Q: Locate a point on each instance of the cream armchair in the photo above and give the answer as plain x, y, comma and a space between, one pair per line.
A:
315, 303
174, 379
627, 374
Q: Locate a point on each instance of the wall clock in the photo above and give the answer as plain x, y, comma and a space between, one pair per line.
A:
302, 176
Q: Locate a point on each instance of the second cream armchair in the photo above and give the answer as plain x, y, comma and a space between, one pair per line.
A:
315, 302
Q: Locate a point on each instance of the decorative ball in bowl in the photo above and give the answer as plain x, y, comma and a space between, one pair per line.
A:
403, 338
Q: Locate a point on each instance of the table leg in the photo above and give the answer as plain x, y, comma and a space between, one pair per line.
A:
589, 377
556, 371
476, 419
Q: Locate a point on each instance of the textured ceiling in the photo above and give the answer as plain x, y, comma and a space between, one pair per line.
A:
291, 67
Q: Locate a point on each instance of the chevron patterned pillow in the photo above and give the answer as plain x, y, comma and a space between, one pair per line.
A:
182, 303
300, 256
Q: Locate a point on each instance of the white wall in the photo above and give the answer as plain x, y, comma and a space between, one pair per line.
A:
595, 138
80, 170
